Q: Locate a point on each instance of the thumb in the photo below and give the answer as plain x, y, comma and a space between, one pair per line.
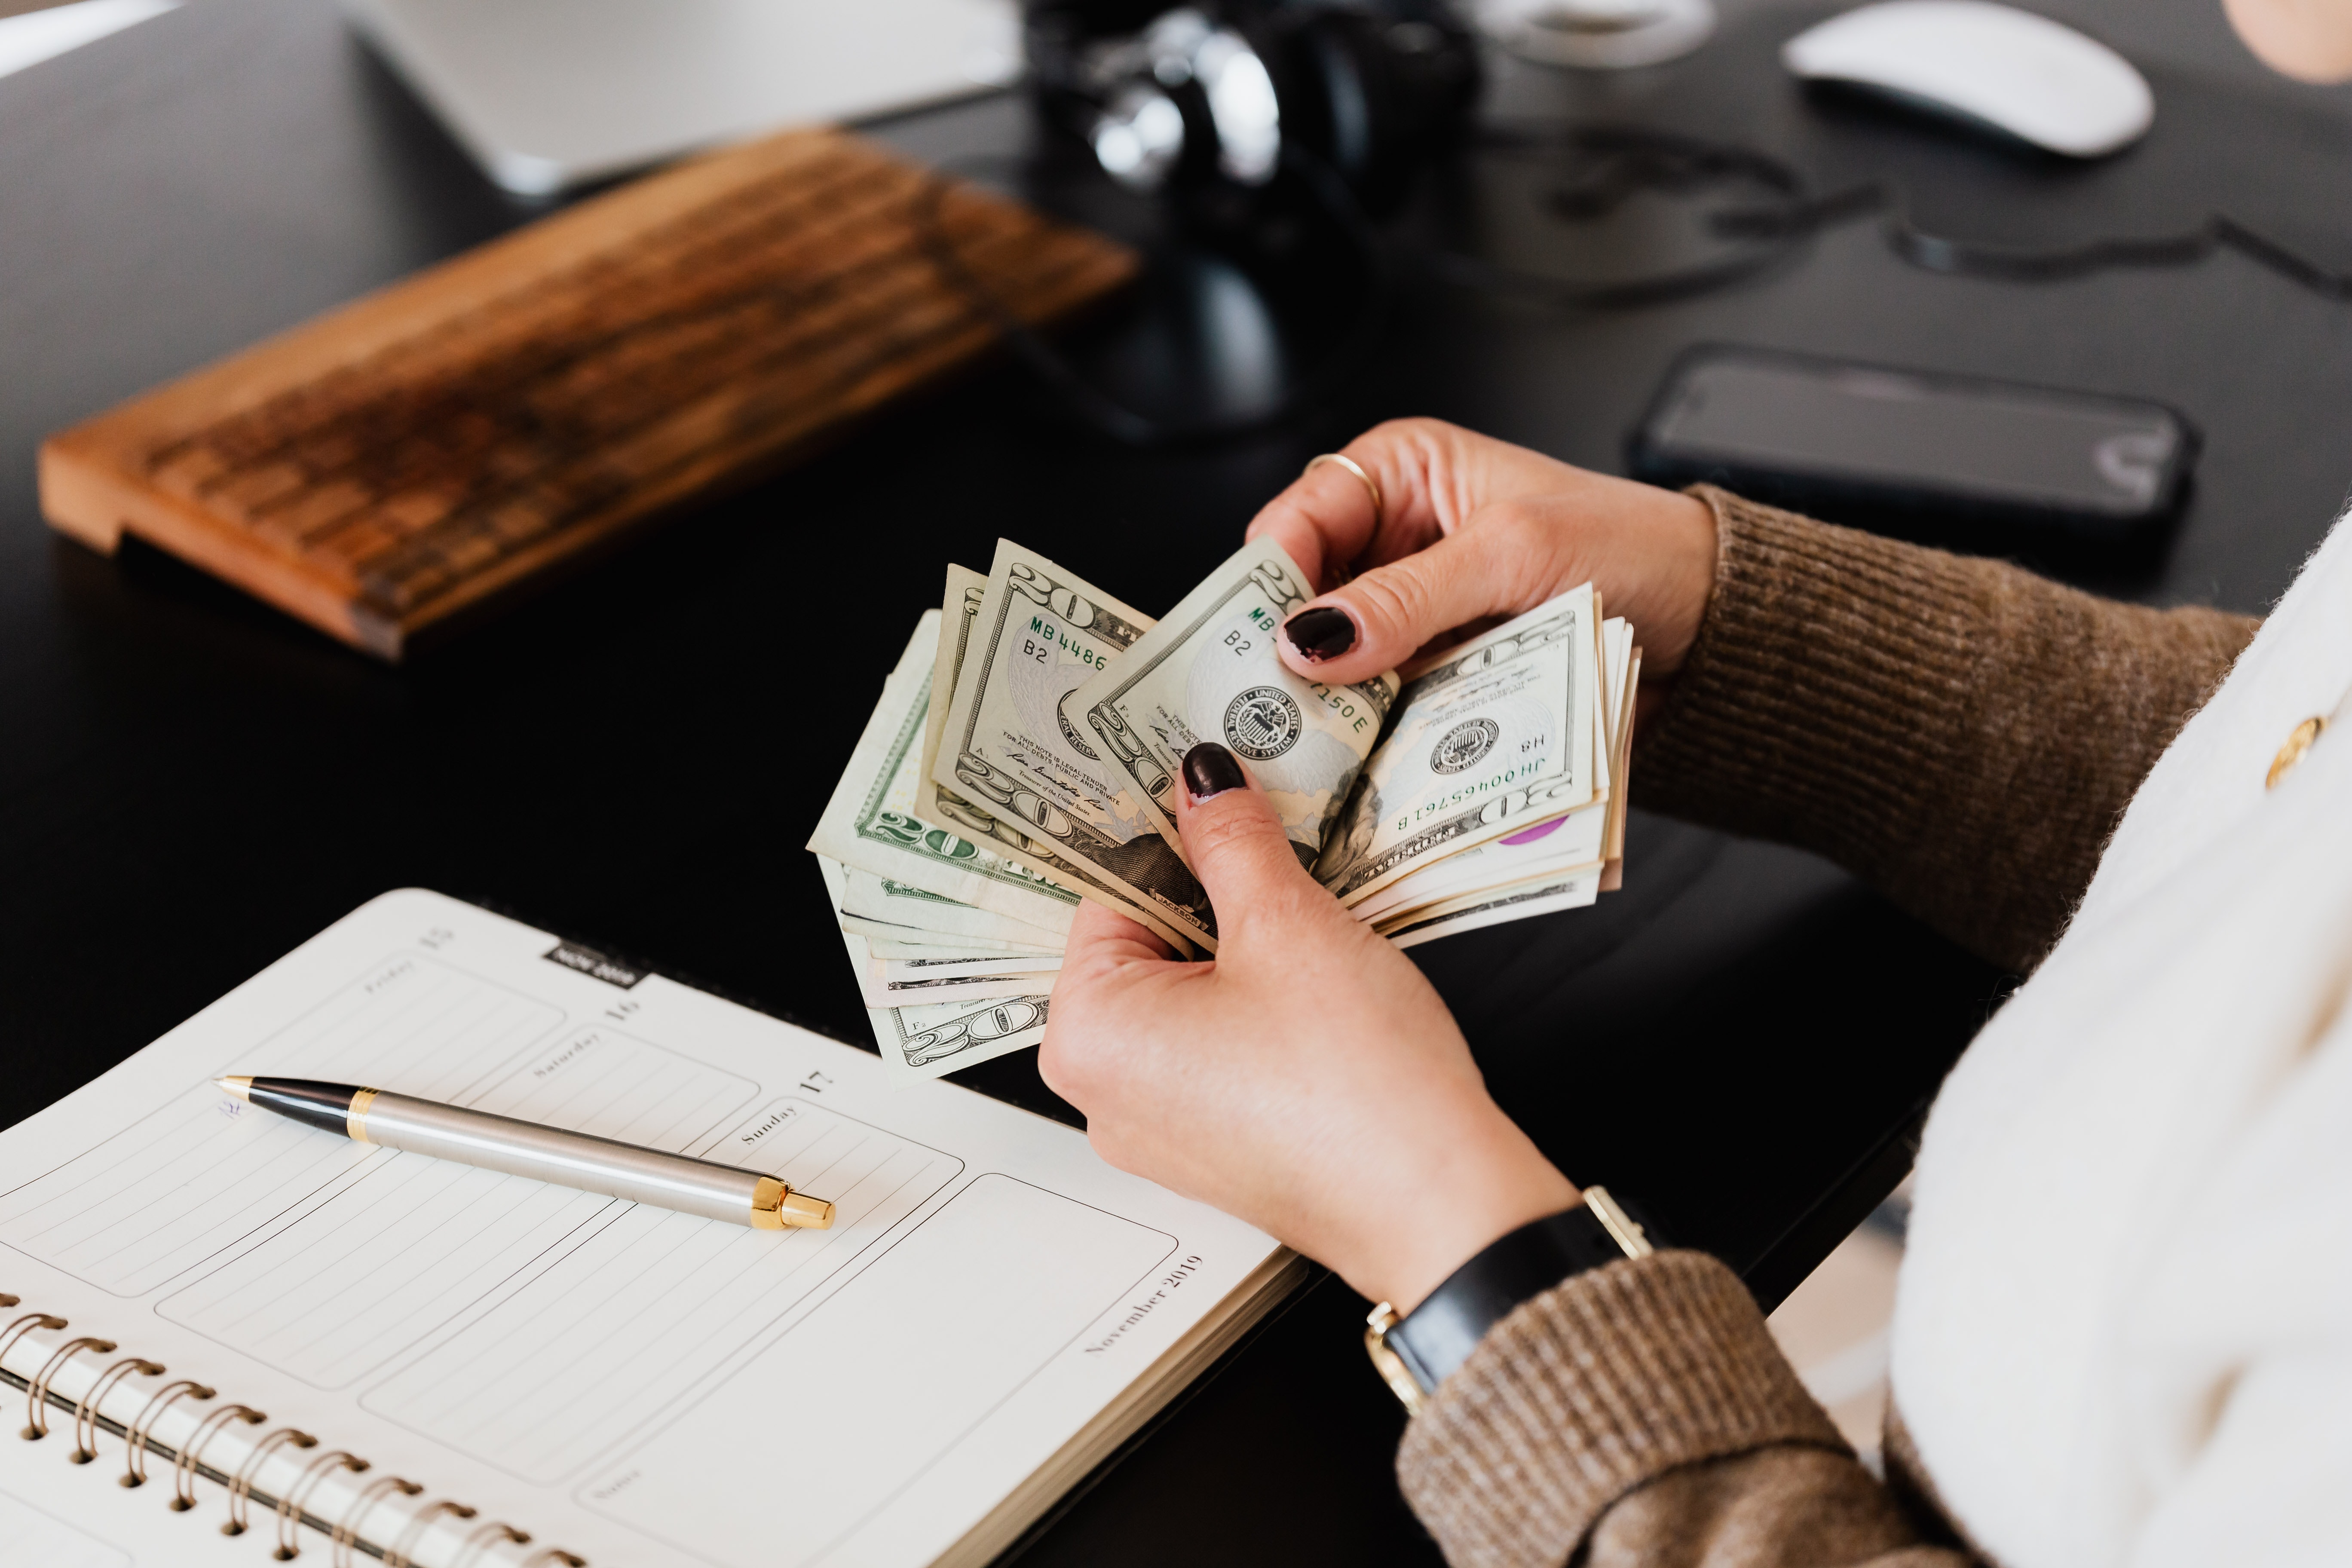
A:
1376, 622
1236, 844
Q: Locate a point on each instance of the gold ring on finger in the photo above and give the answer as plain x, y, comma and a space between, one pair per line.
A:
1372, 485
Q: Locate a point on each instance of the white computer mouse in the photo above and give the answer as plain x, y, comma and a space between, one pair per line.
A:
2011, 70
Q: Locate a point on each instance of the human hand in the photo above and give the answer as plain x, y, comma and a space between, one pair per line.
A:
1472, 528
1307, 1080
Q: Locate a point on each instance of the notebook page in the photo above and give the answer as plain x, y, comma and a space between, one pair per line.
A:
630, 1384
56, 1515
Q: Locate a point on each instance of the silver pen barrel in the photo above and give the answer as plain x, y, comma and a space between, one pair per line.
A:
581, 1160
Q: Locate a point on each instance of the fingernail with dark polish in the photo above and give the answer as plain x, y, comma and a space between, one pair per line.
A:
1321, 633
1211, 769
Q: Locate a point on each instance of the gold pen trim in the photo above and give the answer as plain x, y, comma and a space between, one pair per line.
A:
355, 1115
775, 1206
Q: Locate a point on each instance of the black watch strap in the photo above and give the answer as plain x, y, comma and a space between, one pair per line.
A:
1438, 1335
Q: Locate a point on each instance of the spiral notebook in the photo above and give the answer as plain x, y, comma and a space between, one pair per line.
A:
239, 1338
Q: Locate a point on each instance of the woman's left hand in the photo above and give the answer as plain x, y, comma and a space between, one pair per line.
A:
1307, 1079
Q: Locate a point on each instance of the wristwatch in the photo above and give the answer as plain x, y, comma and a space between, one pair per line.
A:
1414, 1353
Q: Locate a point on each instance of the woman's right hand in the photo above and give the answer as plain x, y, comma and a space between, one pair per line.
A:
1472, 529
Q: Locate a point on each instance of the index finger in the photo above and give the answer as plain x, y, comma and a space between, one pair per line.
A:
1432, 477
1324, 519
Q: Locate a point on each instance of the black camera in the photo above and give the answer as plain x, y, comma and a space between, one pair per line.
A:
1231, 96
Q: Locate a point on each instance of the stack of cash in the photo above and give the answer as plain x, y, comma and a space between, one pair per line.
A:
1026, 747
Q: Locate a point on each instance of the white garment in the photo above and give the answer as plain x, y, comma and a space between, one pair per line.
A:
2123, 1334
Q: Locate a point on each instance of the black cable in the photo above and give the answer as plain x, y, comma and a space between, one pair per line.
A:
1936, 253
1616, 162
1622, 160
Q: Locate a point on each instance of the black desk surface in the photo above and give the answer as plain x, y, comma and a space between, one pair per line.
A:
190, 784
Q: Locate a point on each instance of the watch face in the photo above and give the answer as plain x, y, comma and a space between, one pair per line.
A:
1394, 1370
1632, 1239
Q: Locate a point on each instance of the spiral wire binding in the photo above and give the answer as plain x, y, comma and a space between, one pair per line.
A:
290, 1507
184, 1463
396, 1556
23, 1326
346, 1533
470, 1550
134, 1437
37, 1392
85, 1426
240, 1485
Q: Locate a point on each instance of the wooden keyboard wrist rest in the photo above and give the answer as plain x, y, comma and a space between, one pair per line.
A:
425, 451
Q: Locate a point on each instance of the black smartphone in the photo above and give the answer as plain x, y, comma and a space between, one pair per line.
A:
1907, 450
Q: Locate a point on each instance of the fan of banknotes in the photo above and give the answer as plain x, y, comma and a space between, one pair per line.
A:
1024, 751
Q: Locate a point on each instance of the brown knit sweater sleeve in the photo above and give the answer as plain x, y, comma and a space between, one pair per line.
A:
1959, 732
1964, 735
1642, 1412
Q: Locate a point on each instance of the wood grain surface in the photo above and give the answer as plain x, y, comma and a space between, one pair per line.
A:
417, 453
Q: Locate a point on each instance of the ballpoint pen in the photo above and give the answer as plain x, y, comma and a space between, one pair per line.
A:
545, 1153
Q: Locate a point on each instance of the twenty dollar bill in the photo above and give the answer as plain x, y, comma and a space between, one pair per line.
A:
870, 823
948, 808
1210, 673
1010, 749
1497, 735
